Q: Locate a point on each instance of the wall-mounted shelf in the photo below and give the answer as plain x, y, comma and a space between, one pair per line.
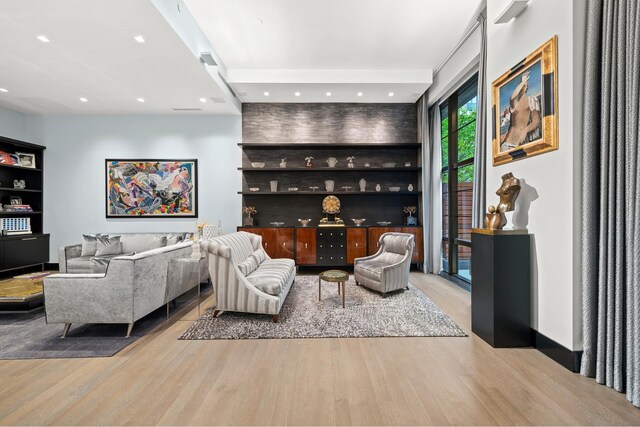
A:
324, 193
303, 145
23, 190
354, 169
3, 213
20, 167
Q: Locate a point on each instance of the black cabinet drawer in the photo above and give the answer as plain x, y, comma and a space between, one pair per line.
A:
25, 250
331, 246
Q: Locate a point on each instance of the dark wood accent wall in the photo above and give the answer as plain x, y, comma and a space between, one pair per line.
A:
339, 123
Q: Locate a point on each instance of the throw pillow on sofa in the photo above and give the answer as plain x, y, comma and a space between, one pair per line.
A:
249, 265
141, 243
108, 245
89, 244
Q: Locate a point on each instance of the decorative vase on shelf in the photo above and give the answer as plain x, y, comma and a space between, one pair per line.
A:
378, 187
410, 187
274, 186
247, 221
363, 184
332, 162
283, 163
329, 184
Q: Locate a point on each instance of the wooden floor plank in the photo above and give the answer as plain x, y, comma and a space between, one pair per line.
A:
328, 381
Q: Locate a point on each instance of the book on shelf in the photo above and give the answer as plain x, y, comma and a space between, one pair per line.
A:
18, 208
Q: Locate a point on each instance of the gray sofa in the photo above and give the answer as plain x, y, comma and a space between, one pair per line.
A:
71, 261
245, 278
131, 287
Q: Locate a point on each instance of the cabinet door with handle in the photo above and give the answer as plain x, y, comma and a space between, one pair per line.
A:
27, 250
284, 242
356, 243
306, 246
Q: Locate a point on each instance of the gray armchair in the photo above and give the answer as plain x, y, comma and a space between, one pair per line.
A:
388, 269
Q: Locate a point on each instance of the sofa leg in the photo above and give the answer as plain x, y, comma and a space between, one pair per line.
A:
275, 318
65, 330
129, 329
215, 313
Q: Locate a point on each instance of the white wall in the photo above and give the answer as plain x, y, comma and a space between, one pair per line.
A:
12, 124
77, 147
554, 216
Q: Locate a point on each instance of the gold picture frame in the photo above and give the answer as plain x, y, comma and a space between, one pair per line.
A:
525, 106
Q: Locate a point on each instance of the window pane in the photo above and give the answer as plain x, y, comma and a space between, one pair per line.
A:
464, 194
445, 151
445, 256
445, 205
467, 112
444, 121
467, 133
464, 262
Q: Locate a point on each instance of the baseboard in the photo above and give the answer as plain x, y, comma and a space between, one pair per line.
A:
567, 358
52, 266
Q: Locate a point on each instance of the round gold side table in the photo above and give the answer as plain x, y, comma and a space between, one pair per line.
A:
335, 276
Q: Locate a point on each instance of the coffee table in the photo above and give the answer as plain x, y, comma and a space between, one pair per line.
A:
335, 276
22, 294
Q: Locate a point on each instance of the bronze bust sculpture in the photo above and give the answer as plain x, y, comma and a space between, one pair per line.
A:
508, 192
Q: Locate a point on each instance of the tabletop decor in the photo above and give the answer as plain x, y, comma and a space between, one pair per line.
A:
411, 220
248, 211
151, 188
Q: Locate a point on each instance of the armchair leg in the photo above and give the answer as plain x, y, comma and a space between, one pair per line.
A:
129, 329
215, 313
275, 318
65, 330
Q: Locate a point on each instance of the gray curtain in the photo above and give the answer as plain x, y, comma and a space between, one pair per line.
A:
429, 134
611, 197
480, 161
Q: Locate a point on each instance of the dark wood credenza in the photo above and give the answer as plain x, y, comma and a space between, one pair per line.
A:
329, 246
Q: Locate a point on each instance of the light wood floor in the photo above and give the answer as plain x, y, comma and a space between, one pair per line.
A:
392, 381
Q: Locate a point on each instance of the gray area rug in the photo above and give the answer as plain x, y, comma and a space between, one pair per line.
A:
28, 336
405, 313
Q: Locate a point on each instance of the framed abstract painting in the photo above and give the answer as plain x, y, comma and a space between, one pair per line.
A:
525, 106
151, 188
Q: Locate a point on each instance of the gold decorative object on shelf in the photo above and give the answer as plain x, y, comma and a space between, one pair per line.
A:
331, 207
508, 192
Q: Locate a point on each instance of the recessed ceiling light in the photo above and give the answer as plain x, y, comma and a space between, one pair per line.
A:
391, 93
328, 93
139, 39
266, 94
259, 21
83, 99
3, 90
360, 94
140, 99
203, 100
297, 94
43, 38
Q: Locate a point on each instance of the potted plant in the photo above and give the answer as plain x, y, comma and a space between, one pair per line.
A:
411, 220
248, 210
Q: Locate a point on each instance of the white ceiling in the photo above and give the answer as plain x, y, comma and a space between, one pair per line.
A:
312, 47
312, 43
92, 54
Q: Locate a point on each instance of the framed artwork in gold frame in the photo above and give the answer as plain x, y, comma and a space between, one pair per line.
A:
525, 106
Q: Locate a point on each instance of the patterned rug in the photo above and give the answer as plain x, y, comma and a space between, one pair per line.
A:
404, 313
28, 336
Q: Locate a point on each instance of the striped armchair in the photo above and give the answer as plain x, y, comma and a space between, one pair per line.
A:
388, 269
244, 277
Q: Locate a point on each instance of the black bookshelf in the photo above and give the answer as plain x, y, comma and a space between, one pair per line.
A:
23, 250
